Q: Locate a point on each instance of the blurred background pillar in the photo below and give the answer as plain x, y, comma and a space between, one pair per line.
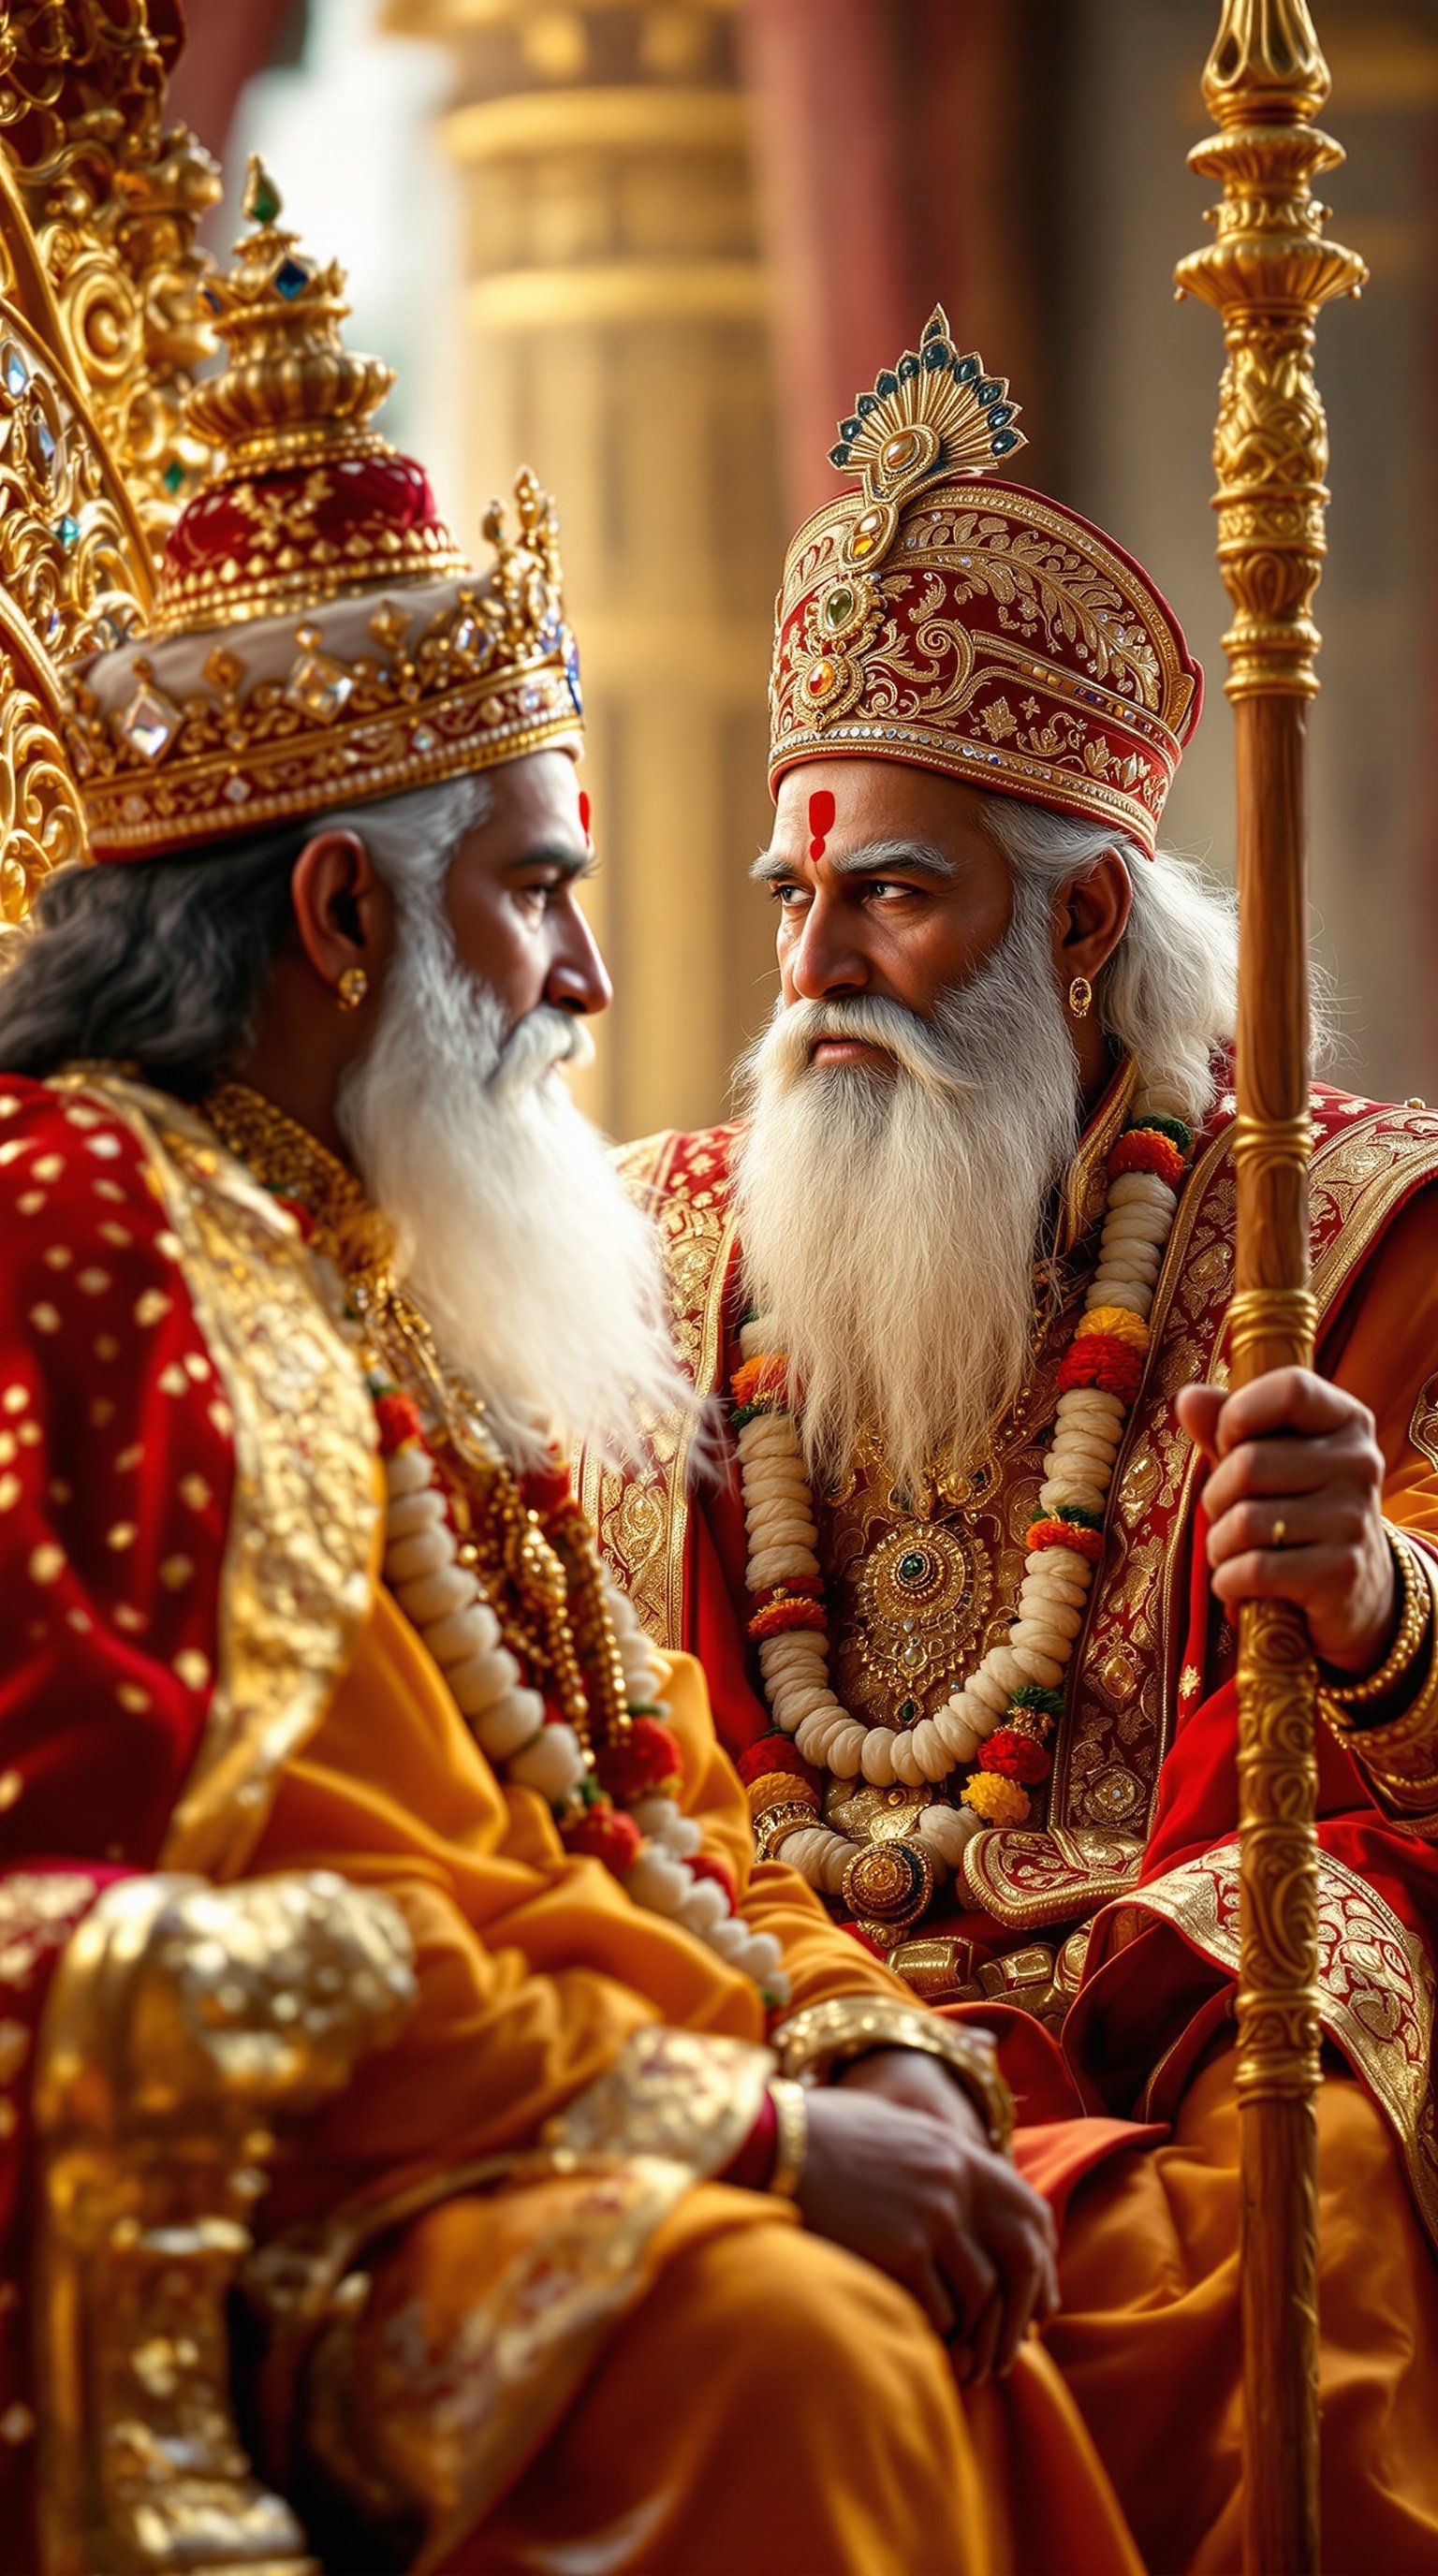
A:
905, 157
616, 328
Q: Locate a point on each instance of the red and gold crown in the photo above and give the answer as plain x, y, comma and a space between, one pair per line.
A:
318, 638
972, 626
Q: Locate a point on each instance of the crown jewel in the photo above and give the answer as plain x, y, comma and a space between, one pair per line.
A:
291, 392
936, 412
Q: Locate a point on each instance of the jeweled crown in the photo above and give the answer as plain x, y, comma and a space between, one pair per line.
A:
938, 616
318, 637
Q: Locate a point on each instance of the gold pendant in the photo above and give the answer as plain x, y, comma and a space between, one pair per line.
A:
922, 1600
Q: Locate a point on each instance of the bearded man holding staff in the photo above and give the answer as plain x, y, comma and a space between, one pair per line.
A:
966, 1597
307, 1259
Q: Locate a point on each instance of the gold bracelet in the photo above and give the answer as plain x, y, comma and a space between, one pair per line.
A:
824, 2036
1400, 1754
791, 2138
777, 1823
1343, 1699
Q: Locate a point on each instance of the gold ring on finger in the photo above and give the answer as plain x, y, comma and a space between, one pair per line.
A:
1280, 1532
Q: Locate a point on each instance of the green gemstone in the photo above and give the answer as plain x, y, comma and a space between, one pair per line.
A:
913, 1567
908, 1712
262, 198
839, 606
174, 475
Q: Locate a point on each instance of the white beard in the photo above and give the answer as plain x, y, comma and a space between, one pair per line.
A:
540, 1277
891, 1216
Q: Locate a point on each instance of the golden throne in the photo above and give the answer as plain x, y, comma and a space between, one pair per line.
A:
154, 2031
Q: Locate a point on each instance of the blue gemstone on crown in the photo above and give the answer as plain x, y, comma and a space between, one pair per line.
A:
965, 369
908, 367
839, 455
887, 383
850, 428
67, 530
289, 278
17, 374
865, 404
934, 327
989, 390
937, 353
44, 438
1001, 415
1007, 439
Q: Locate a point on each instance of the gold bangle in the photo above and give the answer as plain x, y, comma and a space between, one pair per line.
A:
824, 2036
1399, 1755
791, 2140
776, 1823
1343, 1699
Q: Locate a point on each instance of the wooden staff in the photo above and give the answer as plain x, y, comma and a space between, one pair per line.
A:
1268, 271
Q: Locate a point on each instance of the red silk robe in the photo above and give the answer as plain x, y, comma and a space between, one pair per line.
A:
1138, 1847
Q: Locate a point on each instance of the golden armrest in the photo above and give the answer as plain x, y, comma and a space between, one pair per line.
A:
184, 2022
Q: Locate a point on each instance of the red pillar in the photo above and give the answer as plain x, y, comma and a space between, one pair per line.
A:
899, 148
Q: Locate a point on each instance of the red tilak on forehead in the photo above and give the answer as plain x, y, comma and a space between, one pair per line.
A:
821, 820
584, 811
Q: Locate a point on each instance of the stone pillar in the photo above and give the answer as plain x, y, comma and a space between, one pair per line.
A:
615, 333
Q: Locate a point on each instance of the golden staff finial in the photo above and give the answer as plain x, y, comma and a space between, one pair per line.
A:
1268, 271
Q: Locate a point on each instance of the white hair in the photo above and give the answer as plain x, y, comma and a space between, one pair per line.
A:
1168, 995
890, 1214
541, 1279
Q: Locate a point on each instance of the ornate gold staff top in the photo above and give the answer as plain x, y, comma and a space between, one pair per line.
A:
1268, 271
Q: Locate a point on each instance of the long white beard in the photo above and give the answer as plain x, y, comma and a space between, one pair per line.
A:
890, 1216
541, 1279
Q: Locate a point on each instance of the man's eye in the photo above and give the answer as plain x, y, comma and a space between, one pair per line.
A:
787, 896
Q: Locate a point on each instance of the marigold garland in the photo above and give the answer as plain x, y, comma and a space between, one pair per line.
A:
994, 1725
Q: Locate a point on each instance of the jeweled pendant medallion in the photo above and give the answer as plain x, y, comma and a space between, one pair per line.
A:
922, 1598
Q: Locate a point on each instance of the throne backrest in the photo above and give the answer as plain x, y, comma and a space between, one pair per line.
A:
102, 325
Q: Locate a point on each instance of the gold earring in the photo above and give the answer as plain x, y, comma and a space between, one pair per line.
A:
352, 988
1080, 997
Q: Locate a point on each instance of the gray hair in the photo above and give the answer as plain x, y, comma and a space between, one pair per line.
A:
164, 963
1169, 994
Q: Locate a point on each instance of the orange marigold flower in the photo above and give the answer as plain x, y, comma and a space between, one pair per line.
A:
1056, 1533
1144, 1149
765, 1375
777, 1616
1119, 1322
998, 1801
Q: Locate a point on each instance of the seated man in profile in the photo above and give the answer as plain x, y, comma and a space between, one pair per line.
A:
289, 1186
967, 1599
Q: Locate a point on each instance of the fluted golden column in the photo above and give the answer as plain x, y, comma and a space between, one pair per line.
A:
615, 337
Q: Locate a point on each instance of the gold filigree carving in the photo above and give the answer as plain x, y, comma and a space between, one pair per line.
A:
1278, 2026
182, 2022
114, 201
42, 823
1267, 271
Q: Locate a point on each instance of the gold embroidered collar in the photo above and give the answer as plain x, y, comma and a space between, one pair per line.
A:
285, 1158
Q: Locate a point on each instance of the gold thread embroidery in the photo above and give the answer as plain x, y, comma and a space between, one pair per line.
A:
1375, 1978
297, 1579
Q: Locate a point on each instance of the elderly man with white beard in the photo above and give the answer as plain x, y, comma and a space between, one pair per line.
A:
309, 1266
966, 1584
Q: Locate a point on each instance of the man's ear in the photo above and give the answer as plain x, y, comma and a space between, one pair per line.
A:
343, 910
1091, 919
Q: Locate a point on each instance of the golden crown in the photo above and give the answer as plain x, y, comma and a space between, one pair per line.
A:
318, 637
